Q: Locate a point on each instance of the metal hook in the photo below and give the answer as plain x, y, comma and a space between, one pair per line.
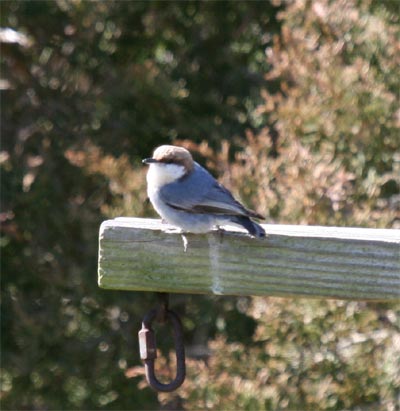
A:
148, 348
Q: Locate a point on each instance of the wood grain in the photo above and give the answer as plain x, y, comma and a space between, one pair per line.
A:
327, 262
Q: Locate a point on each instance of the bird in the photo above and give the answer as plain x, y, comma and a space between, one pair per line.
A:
188, 197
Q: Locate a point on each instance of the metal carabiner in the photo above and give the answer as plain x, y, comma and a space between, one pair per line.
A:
148, 349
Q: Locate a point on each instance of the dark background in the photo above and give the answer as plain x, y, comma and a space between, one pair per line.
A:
293, 105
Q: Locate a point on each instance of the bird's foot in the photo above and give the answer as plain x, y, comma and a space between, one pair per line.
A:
220, 232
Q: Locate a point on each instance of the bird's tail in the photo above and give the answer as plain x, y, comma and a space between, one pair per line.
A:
253, 228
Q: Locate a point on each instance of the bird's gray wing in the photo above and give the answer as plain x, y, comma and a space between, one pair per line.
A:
201, 193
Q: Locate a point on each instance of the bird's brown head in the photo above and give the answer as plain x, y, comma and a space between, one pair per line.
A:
172, 155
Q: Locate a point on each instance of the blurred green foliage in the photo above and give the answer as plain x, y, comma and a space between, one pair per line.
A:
294, 105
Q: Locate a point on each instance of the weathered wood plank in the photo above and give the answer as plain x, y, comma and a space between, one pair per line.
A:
331, 262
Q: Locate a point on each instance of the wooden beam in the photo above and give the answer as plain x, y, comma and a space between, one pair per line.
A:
329, 262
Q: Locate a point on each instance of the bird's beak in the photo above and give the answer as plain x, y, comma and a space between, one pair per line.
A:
149, 160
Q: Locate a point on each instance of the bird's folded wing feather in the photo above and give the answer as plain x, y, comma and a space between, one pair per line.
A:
201, 193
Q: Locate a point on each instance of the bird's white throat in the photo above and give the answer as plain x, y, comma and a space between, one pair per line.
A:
160, 174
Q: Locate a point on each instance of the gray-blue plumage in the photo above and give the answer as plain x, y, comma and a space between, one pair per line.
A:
206, 202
